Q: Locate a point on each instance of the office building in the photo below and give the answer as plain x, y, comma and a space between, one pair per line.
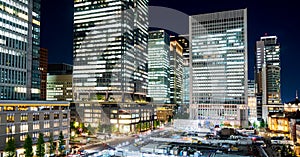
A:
176, 72
218, 60
252, 102
159, 67
110, 50
119, 117
59, 82
110, 61
19, 118
43, 69
183, 40
19, 49
267, 73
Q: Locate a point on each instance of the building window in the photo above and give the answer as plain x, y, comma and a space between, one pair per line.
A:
47, 134
10, 118
10, 129
46, 125
56, 115
23, 108
56, 124
24, 117
56, 132
36, 126
65, 123
22, 137
9, 108
65, 115
7, 138
46, 116
24, 128
36, 117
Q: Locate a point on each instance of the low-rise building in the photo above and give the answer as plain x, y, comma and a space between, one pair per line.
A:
59, 82
19, 118
164, 113
278, 125
121, 117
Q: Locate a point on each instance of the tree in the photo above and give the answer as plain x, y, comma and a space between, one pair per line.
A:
28, 146
61, 142
254, 125
10, 147
51, 145
262, 123
40, 146
90, 129
99, 128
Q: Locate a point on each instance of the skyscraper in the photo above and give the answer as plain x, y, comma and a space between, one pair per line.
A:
183, 40
218, 61
43, 69
110, 50
267, 72
176, 70
19, 49
159, 67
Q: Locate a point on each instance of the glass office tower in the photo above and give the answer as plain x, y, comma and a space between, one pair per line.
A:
110, 50
159, 67
19, 49
218, 63
176, 70
267, 74
183, 41
268, 69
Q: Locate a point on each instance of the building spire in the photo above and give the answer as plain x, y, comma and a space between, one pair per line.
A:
296, 94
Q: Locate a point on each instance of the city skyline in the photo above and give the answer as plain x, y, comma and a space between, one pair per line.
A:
263, 17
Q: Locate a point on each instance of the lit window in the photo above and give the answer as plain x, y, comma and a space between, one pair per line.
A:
24, 128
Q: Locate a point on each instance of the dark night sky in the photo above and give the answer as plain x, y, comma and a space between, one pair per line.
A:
274, 18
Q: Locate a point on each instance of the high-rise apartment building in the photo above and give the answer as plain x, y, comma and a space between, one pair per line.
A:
218, 60
19, 49
110, 50
159, 67
267, 72
43, 69
176, 72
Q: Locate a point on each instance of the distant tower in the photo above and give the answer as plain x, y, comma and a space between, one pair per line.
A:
183, 40
176, 67
43, 69
267, 73
159, 67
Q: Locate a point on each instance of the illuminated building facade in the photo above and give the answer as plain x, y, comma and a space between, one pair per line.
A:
19, 49
110, 50
159, 67
252, 103
121, 117
176, 72
59, 82
267, 72
183, 40
19, 118
218, 60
